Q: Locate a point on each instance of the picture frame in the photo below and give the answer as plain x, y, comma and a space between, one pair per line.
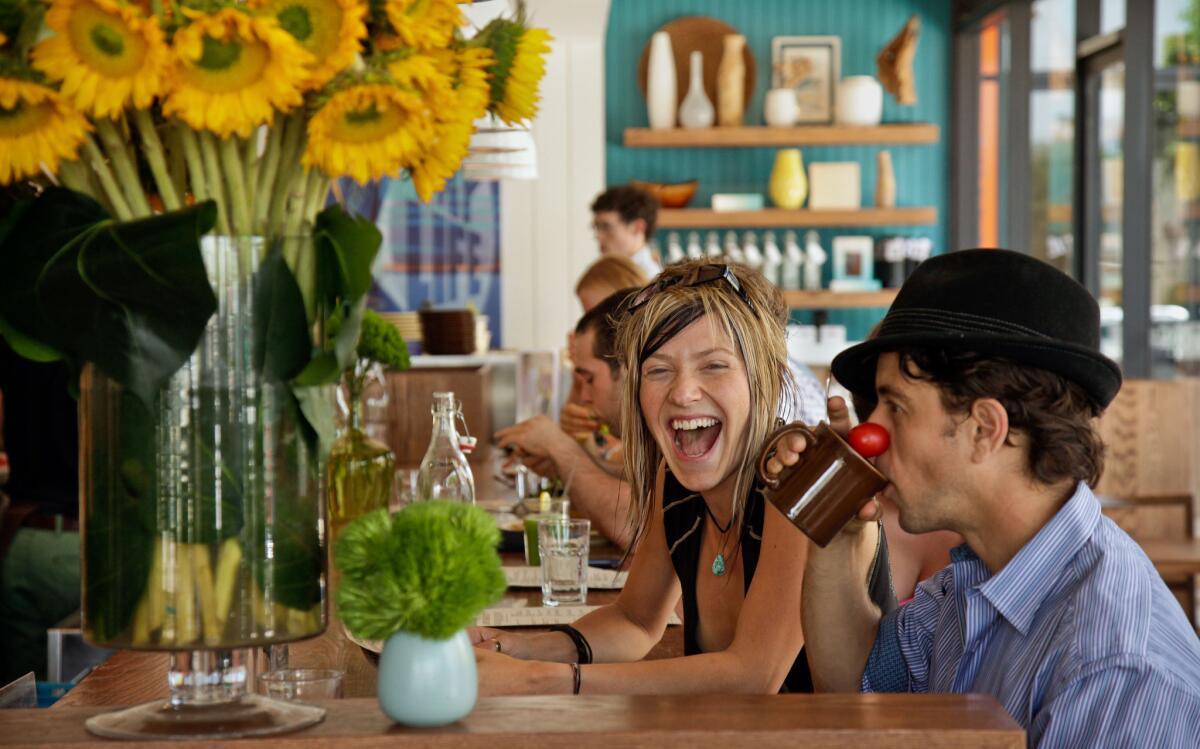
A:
854, 259
811, 66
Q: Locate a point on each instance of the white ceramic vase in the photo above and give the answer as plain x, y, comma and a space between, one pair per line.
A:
780, 108
425, 682
696, 111
859, 101
661, 95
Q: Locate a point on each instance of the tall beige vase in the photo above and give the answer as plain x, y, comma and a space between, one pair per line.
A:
731, 82
789, 186
885, 181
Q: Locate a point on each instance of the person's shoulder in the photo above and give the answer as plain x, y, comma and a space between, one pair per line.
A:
1119, 612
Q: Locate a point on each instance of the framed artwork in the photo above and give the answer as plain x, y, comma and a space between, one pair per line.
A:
854, 258
811, 66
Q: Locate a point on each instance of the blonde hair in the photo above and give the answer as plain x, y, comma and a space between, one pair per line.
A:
612, 272
760, 339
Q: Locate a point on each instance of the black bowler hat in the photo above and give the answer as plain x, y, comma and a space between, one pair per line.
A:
996, 303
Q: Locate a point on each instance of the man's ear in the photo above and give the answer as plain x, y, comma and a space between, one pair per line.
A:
639, 226
988, 422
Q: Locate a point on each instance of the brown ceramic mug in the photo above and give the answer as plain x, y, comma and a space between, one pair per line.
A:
826, 487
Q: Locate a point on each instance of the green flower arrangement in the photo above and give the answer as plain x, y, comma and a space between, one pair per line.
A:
428, 570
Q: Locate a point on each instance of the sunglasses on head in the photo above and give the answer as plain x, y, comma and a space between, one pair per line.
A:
697, 276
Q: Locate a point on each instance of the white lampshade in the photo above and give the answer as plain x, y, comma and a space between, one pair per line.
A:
500, 151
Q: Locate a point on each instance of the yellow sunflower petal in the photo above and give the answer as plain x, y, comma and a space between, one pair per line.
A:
234, 71
528, 67
367, 131
106, 54
37, 126
330, 30
424, 24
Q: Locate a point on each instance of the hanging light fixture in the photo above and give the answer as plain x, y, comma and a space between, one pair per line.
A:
500, 151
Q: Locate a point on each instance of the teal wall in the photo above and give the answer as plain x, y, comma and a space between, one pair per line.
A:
865, 26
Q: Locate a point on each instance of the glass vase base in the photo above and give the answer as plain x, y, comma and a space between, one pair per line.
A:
250, 715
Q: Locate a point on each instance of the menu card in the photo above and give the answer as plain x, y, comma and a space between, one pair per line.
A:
597, 579
539, 616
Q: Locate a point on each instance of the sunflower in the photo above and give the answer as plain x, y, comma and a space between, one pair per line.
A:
468, 68
367, 131
452, 122
234, 71
518, 68
424, 24
37, 126
331, 30
107, 55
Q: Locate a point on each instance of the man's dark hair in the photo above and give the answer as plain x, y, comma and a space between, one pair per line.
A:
630, 204
605, 318
1055, 416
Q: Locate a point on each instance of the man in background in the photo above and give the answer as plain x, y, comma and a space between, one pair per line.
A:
623, 219
591, 476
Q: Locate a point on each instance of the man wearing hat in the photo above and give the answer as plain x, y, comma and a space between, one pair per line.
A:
987, 373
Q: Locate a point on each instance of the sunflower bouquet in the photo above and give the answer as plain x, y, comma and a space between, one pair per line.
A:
152, 133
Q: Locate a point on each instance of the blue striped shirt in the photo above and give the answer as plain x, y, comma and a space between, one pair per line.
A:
1077, 636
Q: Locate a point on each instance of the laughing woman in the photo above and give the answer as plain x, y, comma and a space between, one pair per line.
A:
706, 365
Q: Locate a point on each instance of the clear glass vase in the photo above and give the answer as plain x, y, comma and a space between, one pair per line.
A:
203, 531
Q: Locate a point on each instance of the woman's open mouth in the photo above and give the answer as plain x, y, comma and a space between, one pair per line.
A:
694, 437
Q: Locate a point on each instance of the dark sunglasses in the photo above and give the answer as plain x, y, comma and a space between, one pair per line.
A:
695, 277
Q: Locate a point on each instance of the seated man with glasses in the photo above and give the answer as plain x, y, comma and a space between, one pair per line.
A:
623, 219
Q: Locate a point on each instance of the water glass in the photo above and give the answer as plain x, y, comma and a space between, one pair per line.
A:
557, 508
563, 546
301, 684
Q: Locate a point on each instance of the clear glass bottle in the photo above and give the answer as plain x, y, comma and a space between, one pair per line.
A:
445, 473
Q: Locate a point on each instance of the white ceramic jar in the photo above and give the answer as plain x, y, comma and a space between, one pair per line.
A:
780, 108
661, 96
859, 101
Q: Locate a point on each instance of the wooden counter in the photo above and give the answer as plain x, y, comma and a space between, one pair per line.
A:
719, 721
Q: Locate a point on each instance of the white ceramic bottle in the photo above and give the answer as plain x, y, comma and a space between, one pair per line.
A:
712, 245
694, 250
674, 249
814, 258
733, 251
793, 263
696, 111
753, 255
772, 258
661, 95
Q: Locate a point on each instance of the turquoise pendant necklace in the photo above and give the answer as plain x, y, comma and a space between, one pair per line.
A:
718, 563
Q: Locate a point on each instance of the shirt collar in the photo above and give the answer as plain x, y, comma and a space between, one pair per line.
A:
1017, 590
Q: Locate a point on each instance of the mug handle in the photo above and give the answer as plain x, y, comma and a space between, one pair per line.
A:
772, 441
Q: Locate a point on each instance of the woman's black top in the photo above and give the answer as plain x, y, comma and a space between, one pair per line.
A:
683, 521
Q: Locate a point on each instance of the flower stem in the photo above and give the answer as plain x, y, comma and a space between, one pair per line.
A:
153, 149
290, 172
267, 172
195, 164
316, 194
124, 166
100, 168
252, 163
74, 177
212, 173
235, 181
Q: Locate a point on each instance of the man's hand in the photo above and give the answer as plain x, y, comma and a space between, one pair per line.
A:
578, 419
534, 437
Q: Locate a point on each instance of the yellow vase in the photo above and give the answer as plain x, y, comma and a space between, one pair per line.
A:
789, 185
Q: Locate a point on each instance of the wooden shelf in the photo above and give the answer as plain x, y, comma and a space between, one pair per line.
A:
839, 299
906, 133
1186, 129
703, 218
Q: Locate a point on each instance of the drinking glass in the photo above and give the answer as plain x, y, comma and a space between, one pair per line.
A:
301, 684
555, 508
563, 546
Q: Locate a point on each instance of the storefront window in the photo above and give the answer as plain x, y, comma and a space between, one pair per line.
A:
1052, 132
1112, 200
993, 43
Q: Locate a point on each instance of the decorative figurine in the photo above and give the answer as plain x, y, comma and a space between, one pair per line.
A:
814, 258
772, 258
731, 82
894, 63
696, 111
694, 250
753, 256
793, 261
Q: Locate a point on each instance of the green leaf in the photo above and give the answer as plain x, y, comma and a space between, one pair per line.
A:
346, 343
132, 297
26, 346
33, 233
346, 247
322, 369
281, 344
316, 406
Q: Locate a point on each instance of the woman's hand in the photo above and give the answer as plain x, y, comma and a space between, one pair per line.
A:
500, 674
500, 641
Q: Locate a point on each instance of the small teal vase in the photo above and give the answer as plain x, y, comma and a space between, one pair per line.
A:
426, 682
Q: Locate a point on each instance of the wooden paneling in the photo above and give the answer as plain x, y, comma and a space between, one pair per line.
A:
411, 398
758, 136
881, 721
703, 218
839, 299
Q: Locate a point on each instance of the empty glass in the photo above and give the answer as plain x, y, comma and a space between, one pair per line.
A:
563, 546
301, 684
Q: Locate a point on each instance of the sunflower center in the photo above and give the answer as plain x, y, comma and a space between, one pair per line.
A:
361, 117
217, 55
107, 40
370, 122
295, 20
24, 118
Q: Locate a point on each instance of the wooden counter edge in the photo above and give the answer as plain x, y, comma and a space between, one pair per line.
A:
664, 722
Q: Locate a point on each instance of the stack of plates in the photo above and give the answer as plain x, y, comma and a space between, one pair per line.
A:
448, 331
408, 323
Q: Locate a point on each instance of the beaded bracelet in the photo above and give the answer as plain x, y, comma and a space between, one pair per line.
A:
582, 647
576, 676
